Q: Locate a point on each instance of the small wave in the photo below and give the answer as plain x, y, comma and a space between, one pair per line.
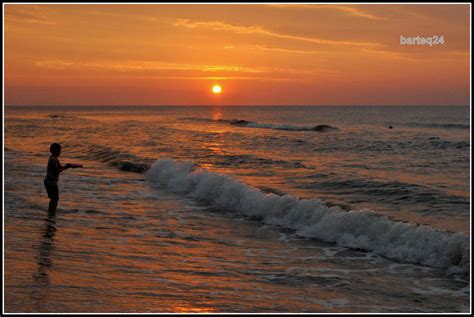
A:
271, 190
252, 161
192, 119
312, 218
442, 144
428, 200
123, 161
440, 125
60, 116
131, 167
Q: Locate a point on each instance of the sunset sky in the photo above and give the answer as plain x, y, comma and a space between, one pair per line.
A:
267, 54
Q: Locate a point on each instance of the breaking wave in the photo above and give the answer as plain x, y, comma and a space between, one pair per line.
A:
313, 218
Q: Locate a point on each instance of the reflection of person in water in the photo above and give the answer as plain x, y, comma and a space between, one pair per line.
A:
44, 257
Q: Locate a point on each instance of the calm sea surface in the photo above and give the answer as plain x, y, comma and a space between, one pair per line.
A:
239, 209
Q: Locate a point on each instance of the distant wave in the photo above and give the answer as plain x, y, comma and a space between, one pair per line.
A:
440, 125
61, 116
313, 218
251, 124
442, 144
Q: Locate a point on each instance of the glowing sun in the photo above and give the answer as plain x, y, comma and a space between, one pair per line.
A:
216, 89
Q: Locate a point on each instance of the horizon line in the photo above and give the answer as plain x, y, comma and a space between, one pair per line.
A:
250, 105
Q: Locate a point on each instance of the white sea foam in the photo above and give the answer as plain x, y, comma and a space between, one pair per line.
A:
312, 218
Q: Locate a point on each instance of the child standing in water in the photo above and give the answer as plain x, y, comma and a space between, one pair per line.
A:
52, 176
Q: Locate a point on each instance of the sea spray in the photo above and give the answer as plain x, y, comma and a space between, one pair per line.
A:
313, 218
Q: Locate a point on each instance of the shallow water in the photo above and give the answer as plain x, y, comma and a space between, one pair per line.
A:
130, 242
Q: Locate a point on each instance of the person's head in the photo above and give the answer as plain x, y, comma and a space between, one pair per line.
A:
55, 149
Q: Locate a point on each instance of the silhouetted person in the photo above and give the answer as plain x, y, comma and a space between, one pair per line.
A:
52, 176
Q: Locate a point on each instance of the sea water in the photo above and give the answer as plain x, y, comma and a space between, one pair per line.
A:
239, 209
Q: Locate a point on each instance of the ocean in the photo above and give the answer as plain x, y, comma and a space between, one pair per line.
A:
239, 209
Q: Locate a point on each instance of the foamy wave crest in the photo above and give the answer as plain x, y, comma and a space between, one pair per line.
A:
313, 218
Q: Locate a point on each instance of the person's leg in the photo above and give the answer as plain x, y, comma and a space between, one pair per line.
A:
53, 204
53, 194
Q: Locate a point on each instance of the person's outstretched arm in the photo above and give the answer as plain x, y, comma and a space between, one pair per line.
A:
71, 165
65, 167
60, 167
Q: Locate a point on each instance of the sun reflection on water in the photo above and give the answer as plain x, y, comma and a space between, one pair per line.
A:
203, 310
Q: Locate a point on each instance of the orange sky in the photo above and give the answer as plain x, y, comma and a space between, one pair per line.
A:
280, 54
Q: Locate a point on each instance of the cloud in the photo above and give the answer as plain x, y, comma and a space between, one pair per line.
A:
54, 64
356, 12
152, 70
26, 14
352, 11
265, 78
286, 50
419, 56
161, 70
143, 66
152, 65
221, 26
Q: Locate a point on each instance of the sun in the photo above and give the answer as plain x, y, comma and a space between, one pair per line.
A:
216, 89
